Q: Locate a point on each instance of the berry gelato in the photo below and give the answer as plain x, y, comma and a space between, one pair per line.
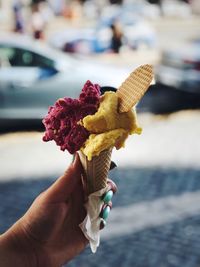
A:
62, 121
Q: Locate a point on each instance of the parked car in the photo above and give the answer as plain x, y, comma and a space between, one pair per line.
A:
180, 67
33, 76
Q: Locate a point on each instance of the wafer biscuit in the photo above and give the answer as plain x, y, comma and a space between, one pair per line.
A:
134, 87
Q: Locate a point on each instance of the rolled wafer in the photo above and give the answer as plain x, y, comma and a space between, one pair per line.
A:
96, 170
134, 87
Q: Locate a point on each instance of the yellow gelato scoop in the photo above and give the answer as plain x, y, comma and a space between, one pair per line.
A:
108, 127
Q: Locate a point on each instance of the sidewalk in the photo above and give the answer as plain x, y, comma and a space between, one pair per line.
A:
171, 141
155, 218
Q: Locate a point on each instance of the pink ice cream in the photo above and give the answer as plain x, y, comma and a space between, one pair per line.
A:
61, 122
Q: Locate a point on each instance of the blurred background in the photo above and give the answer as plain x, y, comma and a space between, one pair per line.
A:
49, 49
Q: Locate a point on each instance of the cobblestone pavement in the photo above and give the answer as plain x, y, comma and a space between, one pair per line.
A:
155, 221
173, 243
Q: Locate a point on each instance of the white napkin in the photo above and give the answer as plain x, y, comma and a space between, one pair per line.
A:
91, 224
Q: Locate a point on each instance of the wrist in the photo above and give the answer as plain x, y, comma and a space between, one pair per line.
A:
15, 249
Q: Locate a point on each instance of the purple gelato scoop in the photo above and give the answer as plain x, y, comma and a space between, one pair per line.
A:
61, 122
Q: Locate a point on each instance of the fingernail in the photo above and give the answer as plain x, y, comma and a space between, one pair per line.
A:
108, 196
102, 224
113, 165
73, 158
106, 212
113, 186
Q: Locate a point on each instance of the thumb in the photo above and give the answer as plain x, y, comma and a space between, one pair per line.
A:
65, 184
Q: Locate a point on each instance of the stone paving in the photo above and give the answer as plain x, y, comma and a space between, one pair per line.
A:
172, 244
156, 216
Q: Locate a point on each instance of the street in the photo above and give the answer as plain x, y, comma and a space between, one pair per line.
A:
155, 219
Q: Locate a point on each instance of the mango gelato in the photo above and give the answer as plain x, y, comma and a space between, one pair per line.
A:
108, 128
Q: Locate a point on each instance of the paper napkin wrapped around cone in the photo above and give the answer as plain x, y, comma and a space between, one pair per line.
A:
95, 178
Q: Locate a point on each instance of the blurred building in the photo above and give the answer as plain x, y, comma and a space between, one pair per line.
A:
6, 13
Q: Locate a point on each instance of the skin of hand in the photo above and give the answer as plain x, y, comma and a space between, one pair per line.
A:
48, 235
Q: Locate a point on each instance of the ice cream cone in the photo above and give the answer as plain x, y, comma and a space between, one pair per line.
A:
134, 87
96, 170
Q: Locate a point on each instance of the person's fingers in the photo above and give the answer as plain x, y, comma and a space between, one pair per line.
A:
112, 186
107, 203
77, 198
65, 185
105, 210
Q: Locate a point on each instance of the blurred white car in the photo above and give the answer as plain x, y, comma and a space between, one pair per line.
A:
33, 77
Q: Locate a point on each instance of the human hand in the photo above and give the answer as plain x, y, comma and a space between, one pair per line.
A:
107, 203
49, 233
50, 228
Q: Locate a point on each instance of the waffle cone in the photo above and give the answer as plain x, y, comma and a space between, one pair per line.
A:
96, 170
134, 87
